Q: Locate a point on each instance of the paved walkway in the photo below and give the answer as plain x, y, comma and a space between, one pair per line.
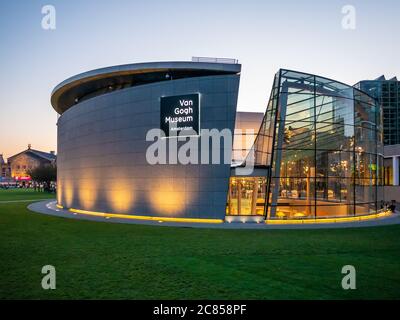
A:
49, 207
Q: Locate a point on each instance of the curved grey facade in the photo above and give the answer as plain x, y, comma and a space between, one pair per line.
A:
102, 147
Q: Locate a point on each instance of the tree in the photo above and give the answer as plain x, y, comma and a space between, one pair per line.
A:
44, 174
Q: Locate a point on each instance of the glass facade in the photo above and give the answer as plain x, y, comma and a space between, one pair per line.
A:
320, 146
247, 125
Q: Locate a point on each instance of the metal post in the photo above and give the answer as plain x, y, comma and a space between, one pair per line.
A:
395, 162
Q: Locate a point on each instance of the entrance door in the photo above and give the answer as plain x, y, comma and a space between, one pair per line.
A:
246, 196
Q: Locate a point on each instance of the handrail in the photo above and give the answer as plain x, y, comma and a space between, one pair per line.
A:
215, 60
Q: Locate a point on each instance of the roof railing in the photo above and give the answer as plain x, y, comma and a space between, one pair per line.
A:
215, 60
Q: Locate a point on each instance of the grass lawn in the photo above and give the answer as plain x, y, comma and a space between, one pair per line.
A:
105, 260
23, 194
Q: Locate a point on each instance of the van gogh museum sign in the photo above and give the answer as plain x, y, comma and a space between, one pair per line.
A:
180, 115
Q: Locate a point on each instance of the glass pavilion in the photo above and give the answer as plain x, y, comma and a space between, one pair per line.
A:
318, 153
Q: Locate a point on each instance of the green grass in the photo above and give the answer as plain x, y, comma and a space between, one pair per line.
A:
23, 194
105, 260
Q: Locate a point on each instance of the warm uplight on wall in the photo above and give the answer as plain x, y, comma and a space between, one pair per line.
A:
120, 196
168, 202
68, 192
59, 192
88, 191
165, 200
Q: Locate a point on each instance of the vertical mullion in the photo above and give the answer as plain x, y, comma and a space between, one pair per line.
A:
378, 171
275, 113
354, 157
315, 149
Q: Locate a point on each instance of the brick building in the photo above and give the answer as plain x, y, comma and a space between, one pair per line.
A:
18, 165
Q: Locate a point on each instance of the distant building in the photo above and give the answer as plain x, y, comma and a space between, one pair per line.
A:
387, 92
18, 165
5, 171
247, 125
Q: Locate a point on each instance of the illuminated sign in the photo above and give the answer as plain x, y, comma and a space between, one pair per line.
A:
22, 178
180, 115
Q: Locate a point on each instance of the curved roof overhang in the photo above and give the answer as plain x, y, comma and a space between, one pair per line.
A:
101, 81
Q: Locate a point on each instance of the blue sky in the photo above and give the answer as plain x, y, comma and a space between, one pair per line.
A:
264, 35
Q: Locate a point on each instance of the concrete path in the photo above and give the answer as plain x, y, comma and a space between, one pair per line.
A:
49, 207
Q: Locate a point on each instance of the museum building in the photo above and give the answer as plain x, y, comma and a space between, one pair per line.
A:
315, 153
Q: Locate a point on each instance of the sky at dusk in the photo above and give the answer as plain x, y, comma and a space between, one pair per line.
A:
264, 35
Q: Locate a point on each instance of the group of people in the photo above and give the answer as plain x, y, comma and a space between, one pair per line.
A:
44, 187
37, 186
388, 206
8, 185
